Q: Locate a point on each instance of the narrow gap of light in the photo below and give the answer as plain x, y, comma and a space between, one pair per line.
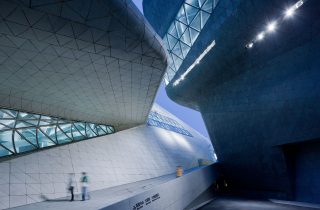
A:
289, 12
273, 25
197, 61
250, 45
260, 36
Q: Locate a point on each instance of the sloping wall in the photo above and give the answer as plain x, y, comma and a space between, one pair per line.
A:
172, 195
127, 156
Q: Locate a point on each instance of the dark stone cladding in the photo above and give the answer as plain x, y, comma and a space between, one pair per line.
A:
160, 14
254, 100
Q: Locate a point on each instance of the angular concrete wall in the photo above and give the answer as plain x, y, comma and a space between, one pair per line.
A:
136, 154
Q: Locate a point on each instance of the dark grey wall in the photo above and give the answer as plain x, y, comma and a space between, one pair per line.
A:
307, 172
252, 100
160, 13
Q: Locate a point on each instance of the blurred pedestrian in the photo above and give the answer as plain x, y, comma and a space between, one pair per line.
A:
84, 188
71, 185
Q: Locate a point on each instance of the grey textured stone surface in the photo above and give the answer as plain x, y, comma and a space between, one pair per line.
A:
87, 60
127, 156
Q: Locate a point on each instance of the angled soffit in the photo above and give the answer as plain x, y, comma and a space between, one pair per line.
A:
88, 60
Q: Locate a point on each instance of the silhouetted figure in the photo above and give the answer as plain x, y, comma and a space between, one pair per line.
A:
84, 188
221, 184
71, 185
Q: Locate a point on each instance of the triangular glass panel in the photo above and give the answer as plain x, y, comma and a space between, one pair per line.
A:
177, 51
4, 152
112, 129
93, 127
180, 28
49, 131
108, 129
43, 117
44, 123
62, 137
22, 124
177, 61
100, 130
204, 17
3, 127
76, 134
190, 12
29, 134
6, 114
166, 43
66, 128
193, 34
89, 131
33, 122
23, 115
21, 144
181, 16
8, 123
172, 41
81, 128
49, 120
193, 3
6, 139
201, 2
171, 73
173, 31
104, 128
170, 61
43, 140
196, 23
184, 48
208, 6
186, 37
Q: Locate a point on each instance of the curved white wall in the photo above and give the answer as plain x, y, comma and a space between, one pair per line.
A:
131, 155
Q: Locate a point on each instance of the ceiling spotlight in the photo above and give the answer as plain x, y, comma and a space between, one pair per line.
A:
298, 4
271, 26
289, 12
260, 36
250, 45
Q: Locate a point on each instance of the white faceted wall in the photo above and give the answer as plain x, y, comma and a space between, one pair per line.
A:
128, 156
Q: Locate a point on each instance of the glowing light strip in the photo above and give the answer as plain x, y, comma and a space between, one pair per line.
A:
271, 26
196, 62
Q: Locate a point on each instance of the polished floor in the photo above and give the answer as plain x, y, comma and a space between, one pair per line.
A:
244, 204
99, 198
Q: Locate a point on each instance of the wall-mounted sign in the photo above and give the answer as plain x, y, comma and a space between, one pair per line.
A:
146, 202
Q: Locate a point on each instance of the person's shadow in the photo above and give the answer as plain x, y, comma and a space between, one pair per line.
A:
45, 198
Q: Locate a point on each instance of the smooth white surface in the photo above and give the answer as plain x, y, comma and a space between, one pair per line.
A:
128, 156
94, 61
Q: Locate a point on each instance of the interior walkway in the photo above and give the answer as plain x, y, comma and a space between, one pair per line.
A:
99, 198
243, 204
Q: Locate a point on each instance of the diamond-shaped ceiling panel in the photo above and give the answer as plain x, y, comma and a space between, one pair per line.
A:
88, 60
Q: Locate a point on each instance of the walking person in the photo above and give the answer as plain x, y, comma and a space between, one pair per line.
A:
71, 185
84, 188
